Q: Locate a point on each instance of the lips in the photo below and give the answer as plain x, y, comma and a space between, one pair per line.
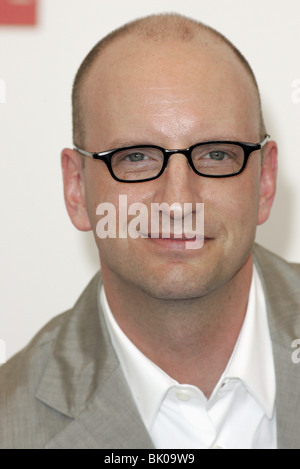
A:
173, 236
175, 242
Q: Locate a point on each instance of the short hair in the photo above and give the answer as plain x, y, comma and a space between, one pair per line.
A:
152, 28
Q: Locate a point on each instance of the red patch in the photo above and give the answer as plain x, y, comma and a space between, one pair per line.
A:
18, 12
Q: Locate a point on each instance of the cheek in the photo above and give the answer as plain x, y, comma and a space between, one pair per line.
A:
234, 204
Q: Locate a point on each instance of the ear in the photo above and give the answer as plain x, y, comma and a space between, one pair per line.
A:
74, 189
267, 182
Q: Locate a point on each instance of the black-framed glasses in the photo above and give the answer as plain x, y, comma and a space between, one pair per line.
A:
213, 159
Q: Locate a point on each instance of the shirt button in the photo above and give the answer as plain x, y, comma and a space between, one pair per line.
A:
183, 395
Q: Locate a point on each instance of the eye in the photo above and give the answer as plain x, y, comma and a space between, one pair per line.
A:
136, 157
216, 155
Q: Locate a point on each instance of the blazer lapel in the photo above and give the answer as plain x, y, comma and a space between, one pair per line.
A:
282, 292
110, 417
84, 382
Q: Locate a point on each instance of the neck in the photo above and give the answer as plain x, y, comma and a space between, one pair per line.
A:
191, 340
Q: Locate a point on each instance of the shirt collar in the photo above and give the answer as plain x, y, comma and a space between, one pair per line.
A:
252, 358
251, 361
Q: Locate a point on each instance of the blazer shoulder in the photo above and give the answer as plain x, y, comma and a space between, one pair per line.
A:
276, 268
40, 347
37, 348
62, 357
19, 379
281, 284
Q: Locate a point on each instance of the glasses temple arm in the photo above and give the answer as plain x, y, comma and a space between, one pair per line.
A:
266, 139
83, 152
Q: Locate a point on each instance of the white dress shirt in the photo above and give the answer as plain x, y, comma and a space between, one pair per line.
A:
240, 413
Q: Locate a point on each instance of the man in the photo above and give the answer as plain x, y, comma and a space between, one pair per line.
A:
176, 345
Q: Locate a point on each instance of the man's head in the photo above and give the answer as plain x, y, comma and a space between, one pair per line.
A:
169, 81
156, 28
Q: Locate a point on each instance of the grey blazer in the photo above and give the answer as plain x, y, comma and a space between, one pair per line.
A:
66, 388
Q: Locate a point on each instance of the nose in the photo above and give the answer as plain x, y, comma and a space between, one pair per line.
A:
177, 183
178, 159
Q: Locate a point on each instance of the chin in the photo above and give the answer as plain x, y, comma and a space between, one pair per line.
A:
178, 284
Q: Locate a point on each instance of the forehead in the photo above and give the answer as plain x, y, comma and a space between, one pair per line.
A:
145, 84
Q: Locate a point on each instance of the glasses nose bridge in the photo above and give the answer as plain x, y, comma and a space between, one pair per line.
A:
185, 151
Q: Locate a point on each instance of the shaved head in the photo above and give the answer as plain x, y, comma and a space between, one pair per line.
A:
153, 29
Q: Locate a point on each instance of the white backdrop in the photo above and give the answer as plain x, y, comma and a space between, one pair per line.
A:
45, 261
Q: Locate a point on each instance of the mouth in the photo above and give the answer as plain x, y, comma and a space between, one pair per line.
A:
180, 242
